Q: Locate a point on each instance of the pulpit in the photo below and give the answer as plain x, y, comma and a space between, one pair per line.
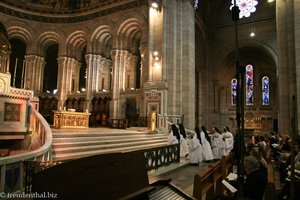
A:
69, 119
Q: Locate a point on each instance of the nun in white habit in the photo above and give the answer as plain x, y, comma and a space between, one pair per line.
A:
228, 140
195, 148
207, 152
217, 144
173, 137
184, 149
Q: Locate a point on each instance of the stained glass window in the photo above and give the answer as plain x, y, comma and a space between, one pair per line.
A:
265, 91
249, 85
233, 92
246, 7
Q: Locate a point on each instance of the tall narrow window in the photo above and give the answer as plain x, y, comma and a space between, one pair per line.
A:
249, 85
265, 91
233, 92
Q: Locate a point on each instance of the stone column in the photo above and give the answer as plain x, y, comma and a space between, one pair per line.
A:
297, 56
34, 73
144, 66
118, 81
4, 61
104, 74
64, 79
155, 44
130, 72
76, 76
286, 63
93, 62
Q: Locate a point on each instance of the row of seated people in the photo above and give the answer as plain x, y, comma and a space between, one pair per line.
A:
201, 146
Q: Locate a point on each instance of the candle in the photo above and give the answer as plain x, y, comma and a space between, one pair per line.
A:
23, 69
16, 65
15, 72
22, 77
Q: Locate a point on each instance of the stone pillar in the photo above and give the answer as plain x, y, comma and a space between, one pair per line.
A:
93, 62
144, 66
297, 56
34, 73
104, 75
4, 60
155, 44
130, 73
64, 79
286, 63
118, 81
172, 35
76, 76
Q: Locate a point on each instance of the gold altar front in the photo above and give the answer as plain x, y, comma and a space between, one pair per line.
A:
66, 119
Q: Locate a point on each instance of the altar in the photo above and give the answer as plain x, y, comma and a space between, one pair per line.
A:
70, 119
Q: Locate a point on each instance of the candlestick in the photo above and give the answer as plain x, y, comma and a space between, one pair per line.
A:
22, 78
15, 72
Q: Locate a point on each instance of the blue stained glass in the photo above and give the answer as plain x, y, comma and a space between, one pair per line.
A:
265, 91
249, 85
233, 92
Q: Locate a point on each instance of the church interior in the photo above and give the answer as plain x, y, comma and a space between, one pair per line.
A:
82, 79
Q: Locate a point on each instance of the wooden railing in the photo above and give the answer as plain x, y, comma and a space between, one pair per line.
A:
12, 167
208, 183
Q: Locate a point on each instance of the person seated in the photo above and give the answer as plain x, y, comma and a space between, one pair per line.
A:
256, 180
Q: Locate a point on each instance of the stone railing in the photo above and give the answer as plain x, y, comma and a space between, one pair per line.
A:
12, 167
161, 156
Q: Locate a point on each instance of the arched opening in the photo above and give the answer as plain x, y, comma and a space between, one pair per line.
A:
83, 71
51, 69
16, 69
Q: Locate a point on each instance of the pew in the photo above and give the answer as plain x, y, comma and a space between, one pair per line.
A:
218, 174
273, 186
208, 183
204, 184
227, 162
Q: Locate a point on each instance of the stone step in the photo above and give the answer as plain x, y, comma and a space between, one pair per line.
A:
103, 146
76, 143
103, 138
70, 156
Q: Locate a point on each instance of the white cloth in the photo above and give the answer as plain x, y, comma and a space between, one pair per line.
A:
217, 145
228, 142
172, 139
207, 152
195, 148
184, 149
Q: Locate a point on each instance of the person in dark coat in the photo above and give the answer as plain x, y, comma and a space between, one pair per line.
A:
256, 180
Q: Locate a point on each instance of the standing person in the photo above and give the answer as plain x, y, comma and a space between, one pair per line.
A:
195, 154
184, 149
207, 152
217, 144
228, 140
174, 136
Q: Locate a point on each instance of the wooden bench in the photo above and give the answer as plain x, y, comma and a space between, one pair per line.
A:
273, 186
208, 183
218, 175
204, 184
